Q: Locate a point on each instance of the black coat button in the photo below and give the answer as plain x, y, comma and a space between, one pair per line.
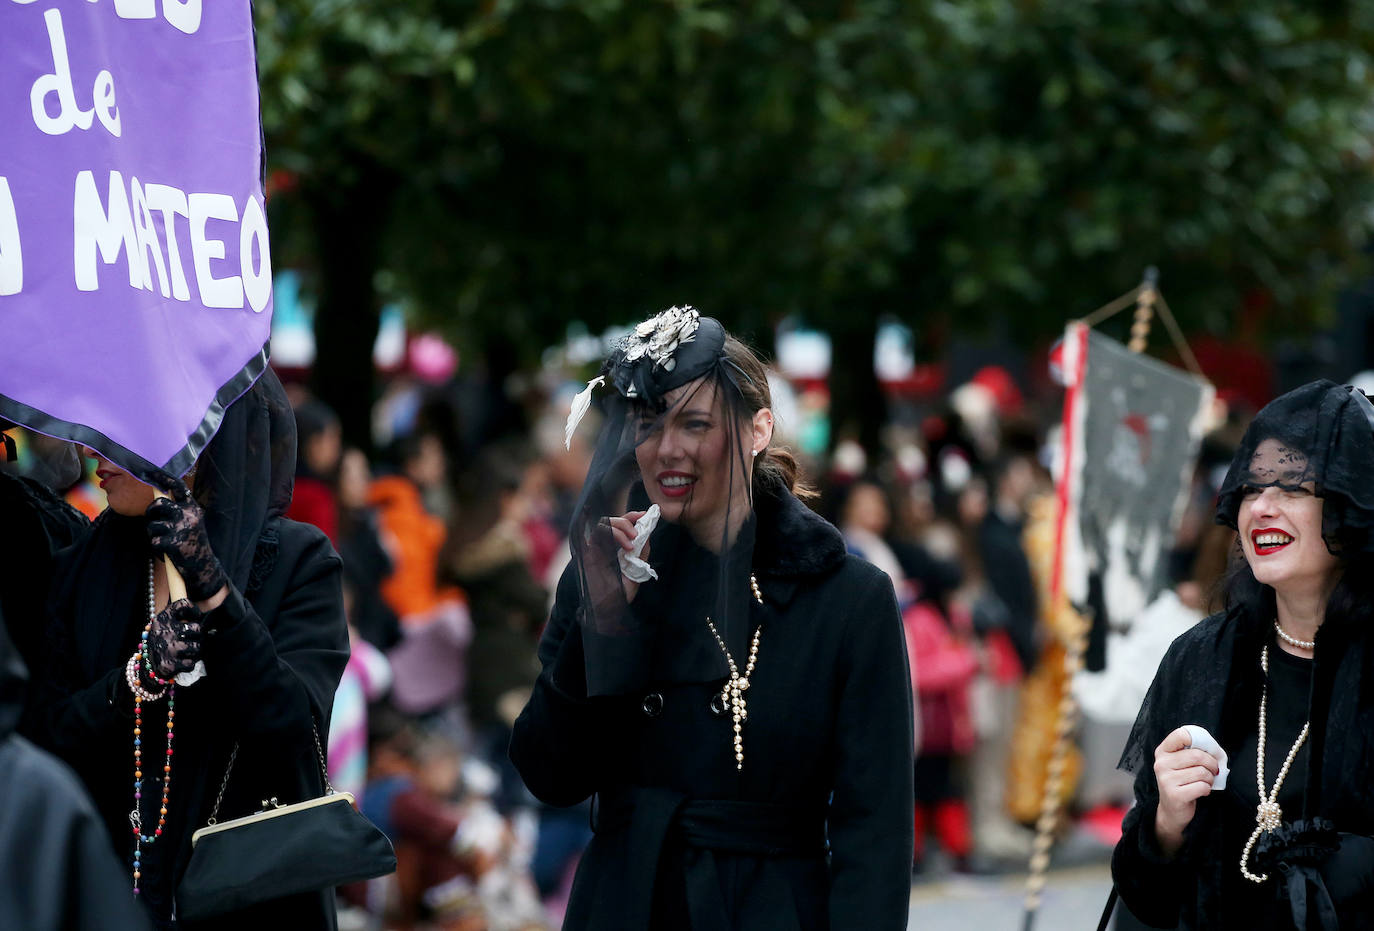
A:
652, 705
718, 704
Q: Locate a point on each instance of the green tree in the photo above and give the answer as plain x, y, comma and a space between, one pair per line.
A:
505, 167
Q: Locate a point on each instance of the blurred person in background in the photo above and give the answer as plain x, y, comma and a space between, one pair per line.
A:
732, 687
366, 680
491, 558
318, 448
1283, 680
939, 633
865, 517
1013, 479
430, 661
458, 866
367, 562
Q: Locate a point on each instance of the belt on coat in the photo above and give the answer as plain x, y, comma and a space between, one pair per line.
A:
649, 815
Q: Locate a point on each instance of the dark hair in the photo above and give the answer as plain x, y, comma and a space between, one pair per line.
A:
313, 418
776, 466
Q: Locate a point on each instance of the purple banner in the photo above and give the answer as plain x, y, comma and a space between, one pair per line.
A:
135, 277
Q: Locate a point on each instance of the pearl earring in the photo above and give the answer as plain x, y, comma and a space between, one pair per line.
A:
756, 452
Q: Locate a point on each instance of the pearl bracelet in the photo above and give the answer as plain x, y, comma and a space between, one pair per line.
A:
131, 677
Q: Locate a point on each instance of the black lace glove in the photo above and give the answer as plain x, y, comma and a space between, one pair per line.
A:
174, 639
176, 529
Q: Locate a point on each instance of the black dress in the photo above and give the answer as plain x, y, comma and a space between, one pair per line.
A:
816, 831
1211, 676
273, 666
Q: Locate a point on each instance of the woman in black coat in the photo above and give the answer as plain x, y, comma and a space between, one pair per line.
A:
266, 623
734, 693
1283, 680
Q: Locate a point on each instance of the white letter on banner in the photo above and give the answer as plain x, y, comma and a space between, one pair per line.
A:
104, 95
182, 14
253, 231
135, 9
172, 203
59, 82
224, 292
146, 235
112, 231
11, 259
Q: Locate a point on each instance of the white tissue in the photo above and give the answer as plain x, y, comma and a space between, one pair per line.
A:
1200, 739
184, 679
631, 565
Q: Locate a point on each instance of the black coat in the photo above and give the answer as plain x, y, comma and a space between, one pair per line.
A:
34, 524
58, 870
828, 741
273, 663
1211, 676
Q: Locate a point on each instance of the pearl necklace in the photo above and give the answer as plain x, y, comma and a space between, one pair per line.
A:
733, 691
1268, 815
141, 695
1292, 641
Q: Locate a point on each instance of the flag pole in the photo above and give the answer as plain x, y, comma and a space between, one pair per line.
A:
1145, 296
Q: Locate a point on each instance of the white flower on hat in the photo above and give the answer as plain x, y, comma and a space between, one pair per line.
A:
660, 335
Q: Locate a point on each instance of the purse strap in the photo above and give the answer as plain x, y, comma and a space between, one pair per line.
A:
229, 768
1107, 912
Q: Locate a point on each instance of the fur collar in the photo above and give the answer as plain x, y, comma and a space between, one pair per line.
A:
791, 539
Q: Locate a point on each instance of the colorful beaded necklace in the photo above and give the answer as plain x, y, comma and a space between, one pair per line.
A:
141, 694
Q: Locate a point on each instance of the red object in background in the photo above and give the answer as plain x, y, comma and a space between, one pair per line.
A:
1104, 823
926, 380
312, 502
1002, 386
1238, 371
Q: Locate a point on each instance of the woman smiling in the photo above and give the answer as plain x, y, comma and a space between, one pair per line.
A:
1284, 682
729, 684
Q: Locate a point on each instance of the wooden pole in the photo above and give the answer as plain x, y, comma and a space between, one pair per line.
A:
1146, 296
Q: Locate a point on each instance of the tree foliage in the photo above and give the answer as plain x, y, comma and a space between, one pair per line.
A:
508, 166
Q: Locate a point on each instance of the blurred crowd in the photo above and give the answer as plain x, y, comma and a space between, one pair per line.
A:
453, 537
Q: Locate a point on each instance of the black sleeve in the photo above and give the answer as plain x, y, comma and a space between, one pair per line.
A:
36, 523
870, 817
1153, 886
1009, 577
561, 743
76, 723
61, 868
273, 676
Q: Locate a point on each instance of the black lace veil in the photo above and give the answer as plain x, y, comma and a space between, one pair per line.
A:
1321, 433
673, 381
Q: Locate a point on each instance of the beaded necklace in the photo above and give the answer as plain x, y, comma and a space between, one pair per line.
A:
734, 689
1269, 815
131, 673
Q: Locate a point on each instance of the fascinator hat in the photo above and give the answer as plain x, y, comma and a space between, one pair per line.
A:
671, 363
1321, 433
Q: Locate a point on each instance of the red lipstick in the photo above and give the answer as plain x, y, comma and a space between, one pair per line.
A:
1267, 549
675, 490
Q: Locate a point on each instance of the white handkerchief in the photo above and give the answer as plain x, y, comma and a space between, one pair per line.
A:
1199, 738
184, 679
631, 566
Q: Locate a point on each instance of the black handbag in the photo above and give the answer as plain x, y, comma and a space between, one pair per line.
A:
282, 850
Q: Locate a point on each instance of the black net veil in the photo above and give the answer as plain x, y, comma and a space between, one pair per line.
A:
243, 480
676, 433
1322, 433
